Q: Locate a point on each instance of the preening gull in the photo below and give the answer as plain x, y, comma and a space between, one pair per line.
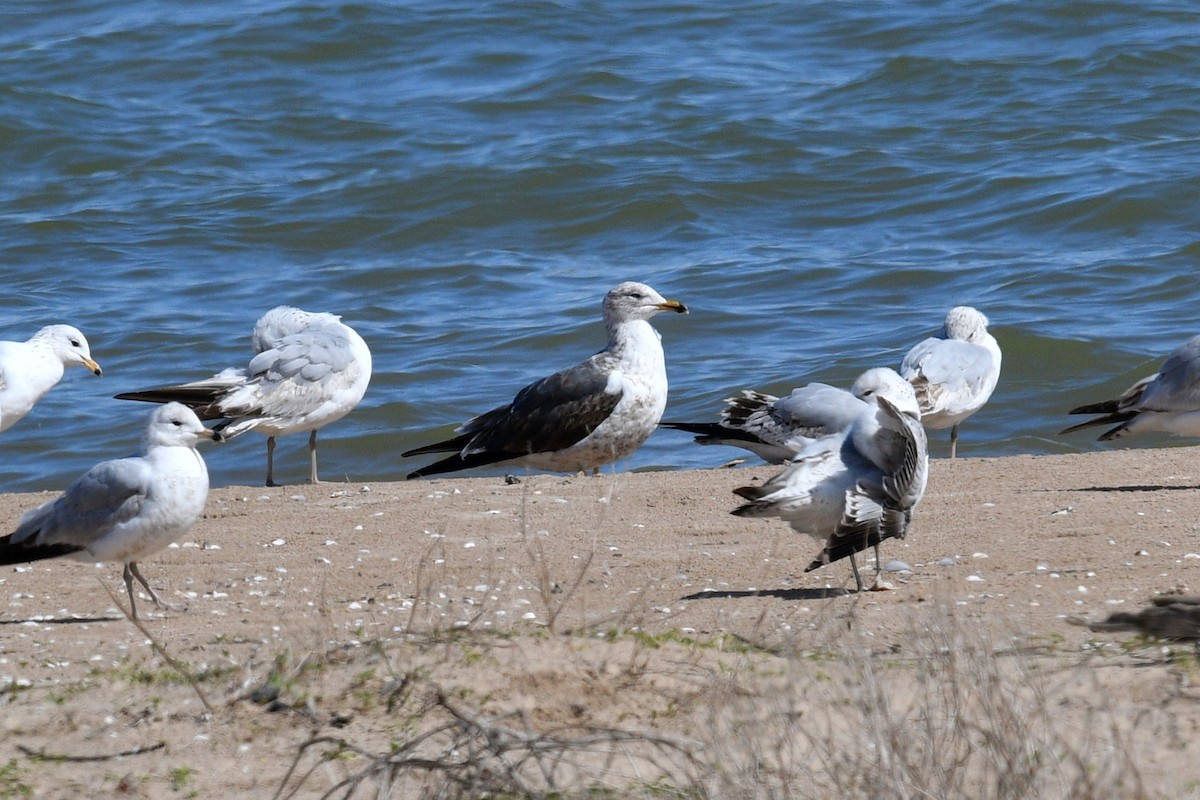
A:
308, 370
955, 372
1168, 400
580, 418
776, 429
125, 509
30, 369
853, 489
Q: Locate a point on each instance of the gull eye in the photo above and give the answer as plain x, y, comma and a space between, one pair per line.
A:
74, 343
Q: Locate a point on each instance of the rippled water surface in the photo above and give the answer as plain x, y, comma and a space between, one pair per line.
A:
819, 182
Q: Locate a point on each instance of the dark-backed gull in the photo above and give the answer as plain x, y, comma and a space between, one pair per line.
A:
581, 418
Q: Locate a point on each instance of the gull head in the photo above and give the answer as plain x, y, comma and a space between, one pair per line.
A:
631, 300
887, 383
176, 425
965, 324
69, 345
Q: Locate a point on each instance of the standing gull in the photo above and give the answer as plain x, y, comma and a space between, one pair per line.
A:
308, 370
30, 369
955, 372
125, 509
580, 418
1168, 400
776, 429
851, 490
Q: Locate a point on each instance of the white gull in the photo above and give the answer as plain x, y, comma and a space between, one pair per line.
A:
955, 372
126, 509
28, 370
308, 370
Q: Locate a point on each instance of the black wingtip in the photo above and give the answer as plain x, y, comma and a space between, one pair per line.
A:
1115, 433
445, 446
713, 433
1079, 427
21, 553
743, 510
703, 428
149, 396
452, 464
203, 401
456, 462
1107, 407
1108, 419
751, 493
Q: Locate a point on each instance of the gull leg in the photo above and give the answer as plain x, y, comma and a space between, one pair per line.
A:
857, 577
271, 461
880, 585
312, 457
127, 574
954, 442
132, 569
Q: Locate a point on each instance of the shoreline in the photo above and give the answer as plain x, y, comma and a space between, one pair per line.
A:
1004, 517
516, 594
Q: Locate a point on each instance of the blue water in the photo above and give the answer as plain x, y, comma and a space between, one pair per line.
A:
819, 182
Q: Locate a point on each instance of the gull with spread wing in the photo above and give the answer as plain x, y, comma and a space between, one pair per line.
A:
777, 429
853, 489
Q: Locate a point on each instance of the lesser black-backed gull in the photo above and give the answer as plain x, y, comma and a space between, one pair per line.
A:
581, 418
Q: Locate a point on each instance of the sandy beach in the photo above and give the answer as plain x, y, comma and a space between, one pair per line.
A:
621, 633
